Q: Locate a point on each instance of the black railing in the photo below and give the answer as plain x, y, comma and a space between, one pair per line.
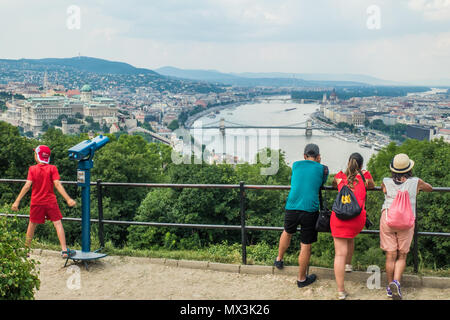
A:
242, 227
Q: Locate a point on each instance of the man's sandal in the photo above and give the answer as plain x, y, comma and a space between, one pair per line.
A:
68, 253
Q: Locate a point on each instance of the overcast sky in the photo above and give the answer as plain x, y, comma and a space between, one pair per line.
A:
410, 41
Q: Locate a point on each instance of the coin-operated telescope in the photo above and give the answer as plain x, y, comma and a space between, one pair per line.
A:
84, 153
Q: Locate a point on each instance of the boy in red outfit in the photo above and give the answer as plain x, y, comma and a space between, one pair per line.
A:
44, 176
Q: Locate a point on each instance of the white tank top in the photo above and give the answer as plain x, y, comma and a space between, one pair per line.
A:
409, 185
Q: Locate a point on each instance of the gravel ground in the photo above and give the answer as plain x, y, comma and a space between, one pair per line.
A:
136, 278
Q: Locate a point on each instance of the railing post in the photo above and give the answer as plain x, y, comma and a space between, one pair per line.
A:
100, 213
416, 245
243, 232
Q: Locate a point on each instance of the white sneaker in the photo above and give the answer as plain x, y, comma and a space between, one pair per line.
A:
342, 295
348, 268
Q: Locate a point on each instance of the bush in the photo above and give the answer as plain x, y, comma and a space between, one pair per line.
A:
18, 274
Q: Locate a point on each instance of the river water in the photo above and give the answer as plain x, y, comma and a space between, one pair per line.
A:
244, 143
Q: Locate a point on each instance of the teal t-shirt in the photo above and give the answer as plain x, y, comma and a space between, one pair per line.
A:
306, 180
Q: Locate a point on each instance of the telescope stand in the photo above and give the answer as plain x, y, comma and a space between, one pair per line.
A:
84, 257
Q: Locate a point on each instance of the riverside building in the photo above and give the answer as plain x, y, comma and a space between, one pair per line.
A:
32, 113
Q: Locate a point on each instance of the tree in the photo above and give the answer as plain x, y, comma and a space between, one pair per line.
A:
45, 126
19, 274
78, 115
15, 157
173, 125
126, 159
211, 206
432, 160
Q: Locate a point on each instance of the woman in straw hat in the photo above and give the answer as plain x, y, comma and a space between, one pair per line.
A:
396, 242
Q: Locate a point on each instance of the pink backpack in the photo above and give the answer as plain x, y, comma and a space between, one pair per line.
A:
400, 214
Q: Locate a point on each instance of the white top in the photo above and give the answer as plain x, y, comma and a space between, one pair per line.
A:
409, 185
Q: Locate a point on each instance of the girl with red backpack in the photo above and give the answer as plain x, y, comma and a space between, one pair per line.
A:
348, 215
397, 219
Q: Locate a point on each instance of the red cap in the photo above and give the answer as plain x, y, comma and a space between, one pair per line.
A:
43, 153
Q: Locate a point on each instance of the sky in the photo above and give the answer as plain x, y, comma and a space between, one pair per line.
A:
398, 40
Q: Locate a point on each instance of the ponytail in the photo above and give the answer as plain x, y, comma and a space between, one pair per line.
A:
352, 171
354, 167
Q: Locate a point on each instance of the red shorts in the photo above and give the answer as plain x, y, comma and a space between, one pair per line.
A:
39, 213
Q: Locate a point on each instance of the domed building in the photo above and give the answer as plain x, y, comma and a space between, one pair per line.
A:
86, 93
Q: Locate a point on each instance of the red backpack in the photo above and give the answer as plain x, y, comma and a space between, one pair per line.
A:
400, 214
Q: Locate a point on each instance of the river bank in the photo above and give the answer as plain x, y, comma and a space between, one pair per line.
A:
207, 111
243, 144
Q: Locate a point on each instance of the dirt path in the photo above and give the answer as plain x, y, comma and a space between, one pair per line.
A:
136, 278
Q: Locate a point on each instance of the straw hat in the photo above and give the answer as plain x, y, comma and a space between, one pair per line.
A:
401, 163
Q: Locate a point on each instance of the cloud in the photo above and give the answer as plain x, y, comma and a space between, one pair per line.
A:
433, 10
322, 36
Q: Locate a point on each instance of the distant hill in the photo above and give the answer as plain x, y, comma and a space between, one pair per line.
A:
443, 82
86, 64
204, 75
323, 77
255, 79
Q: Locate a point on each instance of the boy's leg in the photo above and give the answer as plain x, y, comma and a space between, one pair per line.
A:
30, 233
303, 260
341, 251
285, 241
61, 235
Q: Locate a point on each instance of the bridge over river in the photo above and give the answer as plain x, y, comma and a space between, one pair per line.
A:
223, 124
145, 278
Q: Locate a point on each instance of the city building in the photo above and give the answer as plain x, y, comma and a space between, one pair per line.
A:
420, 132
389, 119
358, 118
34, 112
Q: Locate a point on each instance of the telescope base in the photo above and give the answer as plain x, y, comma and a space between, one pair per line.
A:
81, 256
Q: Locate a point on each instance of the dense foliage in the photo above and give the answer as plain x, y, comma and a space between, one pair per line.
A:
18, 274
132, 159
395, 132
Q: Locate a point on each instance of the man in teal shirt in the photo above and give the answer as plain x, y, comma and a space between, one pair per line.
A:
302, 208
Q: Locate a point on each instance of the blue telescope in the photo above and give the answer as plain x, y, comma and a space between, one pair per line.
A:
84, 153
87, 148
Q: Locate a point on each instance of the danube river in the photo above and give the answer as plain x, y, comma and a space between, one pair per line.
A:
244, 143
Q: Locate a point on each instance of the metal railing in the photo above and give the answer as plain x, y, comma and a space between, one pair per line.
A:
242, 227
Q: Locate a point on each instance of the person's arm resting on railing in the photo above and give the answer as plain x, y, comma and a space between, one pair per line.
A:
423, 186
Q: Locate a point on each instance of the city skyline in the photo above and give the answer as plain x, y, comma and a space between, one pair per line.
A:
406, 41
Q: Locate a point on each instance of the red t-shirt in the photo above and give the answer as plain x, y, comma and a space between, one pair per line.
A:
42, 176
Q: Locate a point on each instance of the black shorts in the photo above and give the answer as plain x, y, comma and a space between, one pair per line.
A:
307, 221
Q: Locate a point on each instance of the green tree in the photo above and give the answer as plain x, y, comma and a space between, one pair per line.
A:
126, 159
15, 157
78, 115
432, 160
19, 276
211, 206
173, 125
45, 126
